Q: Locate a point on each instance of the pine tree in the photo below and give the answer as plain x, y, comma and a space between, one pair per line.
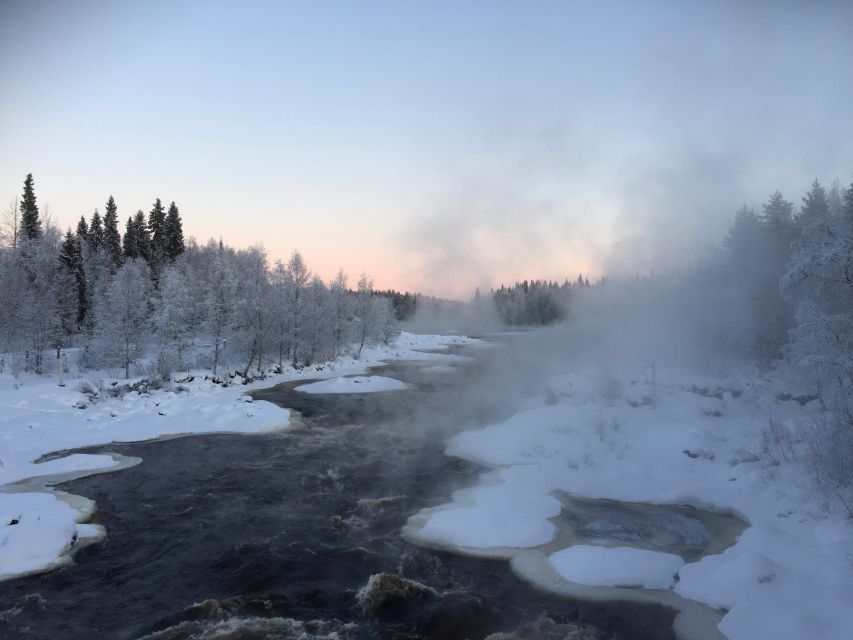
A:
157, 229
30, 223
96, 231
174, 233
112, 238
815, 206
71, 260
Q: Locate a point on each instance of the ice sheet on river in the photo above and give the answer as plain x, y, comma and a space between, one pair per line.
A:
353, 384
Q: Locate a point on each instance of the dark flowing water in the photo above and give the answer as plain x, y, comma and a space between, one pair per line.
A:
238, 536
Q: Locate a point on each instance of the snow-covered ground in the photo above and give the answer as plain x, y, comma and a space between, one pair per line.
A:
704, 443
353, 384
39, 528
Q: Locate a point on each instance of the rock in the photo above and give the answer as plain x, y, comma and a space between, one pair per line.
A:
385, 591
546, 629
458, 616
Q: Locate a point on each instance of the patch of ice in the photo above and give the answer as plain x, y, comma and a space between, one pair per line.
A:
353, 384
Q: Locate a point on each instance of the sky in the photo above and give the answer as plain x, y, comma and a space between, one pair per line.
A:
437, 146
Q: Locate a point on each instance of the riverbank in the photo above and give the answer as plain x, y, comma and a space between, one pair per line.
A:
40, 528
664, 437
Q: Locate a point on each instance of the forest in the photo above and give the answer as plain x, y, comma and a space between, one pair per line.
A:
149, 302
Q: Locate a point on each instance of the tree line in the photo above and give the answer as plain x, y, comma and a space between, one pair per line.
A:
151, 302
534, 303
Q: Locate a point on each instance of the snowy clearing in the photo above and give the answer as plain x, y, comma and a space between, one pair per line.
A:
40, 528
353, 384
703, 443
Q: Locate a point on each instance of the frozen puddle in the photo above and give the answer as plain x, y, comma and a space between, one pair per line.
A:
603, 550
353, 384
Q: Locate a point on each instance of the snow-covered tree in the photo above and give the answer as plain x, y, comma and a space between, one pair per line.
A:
220, 303
339, 310
254, 317
173, 318
122, 326
819, 283
299, 276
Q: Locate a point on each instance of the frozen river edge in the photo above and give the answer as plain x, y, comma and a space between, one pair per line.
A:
41, 528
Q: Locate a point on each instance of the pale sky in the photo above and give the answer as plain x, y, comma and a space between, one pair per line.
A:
435, 145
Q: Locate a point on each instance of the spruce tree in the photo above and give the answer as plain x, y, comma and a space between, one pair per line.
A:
130, 244
112, 238
71, 259
143, 239
30, 223
96, 231
777, 218
174, 233
815, 206
157, 228
83, 229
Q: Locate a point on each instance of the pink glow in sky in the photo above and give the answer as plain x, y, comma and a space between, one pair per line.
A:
436, 146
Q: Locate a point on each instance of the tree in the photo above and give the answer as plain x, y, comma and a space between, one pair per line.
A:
819, 284
83, 230
129, 243
174, 242
30, 223
281, 295
777, 217
172, 322
96, 231
254, 315
815, 206
71, 260
9, 234
121, 325
112, 238
220, 304
847, 211
157, 229
339, 310
363, 310
299, 276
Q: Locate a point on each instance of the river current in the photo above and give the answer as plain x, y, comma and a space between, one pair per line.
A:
273, 535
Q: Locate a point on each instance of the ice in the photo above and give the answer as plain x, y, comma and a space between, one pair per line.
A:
353, 384
617, 566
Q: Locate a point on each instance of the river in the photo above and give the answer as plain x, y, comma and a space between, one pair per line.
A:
252, 536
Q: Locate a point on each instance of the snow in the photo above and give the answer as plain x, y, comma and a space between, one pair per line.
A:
787, 576
617, 566
353, 384
37, 418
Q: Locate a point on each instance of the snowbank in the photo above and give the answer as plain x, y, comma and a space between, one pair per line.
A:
692, 440
39, 528
353, 384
